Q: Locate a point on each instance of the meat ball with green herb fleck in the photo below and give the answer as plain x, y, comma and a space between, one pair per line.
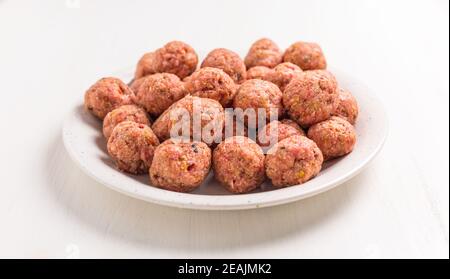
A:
180, 166
258, 94
212, 83
228, 61
132, 145
292, 123
258, 72
293, 161
276, 131
176, 58
238, 164
121, 114
263, 52
347, 107
136, 83
233, 127
283, 73
159, 91
208, 112
335, 137
311, 97
107, 94
308, 56
145, 66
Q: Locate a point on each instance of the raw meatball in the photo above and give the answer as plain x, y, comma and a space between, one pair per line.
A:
180, 166
255, 94
145, 66
121, 114
292, 161
258, 72
308, 56
263, 52
335, 137
238, 164
275, 132
212, 83
347, 107
292, 123
136, 83
107, 94
208, 111
311, 97
186, 79
176, 58
132, 146
228, 61
233, 127
283, 73
160, 91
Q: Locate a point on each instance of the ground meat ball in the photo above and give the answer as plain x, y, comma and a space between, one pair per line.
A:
176, 58
258, 72
335, 137
294, 124
242, 131
212, 83
186, 79
121, 114
308, 56
275, 132
228, 61
311, 97
107, 94
263, 52
209, 111
159, 91
180, 166
283, 73
257, 94
132, 146
238, 128
136, 83
145, 66
347, 107
292, 161
238, 164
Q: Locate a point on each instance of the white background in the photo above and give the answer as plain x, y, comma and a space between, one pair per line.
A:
52, 51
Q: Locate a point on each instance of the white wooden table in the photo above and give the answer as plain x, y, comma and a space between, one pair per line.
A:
50, 52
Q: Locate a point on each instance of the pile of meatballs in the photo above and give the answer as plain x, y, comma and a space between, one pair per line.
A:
315, 115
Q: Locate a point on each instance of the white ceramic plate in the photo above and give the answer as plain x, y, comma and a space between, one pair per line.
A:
84, 142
